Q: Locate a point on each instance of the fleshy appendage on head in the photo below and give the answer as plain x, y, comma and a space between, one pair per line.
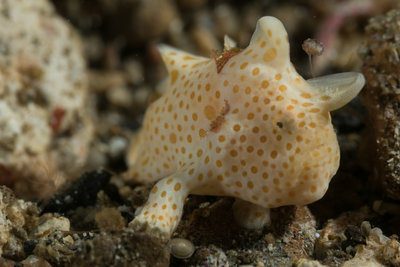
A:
338, 89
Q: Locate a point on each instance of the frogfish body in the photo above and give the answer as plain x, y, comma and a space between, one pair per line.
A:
243, 124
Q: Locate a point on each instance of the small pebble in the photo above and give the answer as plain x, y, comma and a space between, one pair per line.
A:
134, 70
49, 224
181, 248
33, 261
68, 240
269, 238
120, 97
117, 146
365, 228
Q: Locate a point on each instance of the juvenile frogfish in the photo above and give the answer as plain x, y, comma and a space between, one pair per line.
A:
242, 124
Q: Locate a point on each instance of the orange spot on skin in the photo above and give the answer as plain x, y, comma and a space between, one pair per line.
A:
155, 188
202, 133
307, 104
264, 84
254, 169
301, 115
255, 71
270, 55
177, 187
282, 88
172, 138
233, 153
188, 58
174, 75
236, 127
289, 108
305, 95
234, 168
313, 189
209, 112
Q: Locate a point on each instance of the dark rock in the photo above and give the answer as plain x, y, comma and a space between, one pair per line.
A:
29, 246
81, 193
354, 237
